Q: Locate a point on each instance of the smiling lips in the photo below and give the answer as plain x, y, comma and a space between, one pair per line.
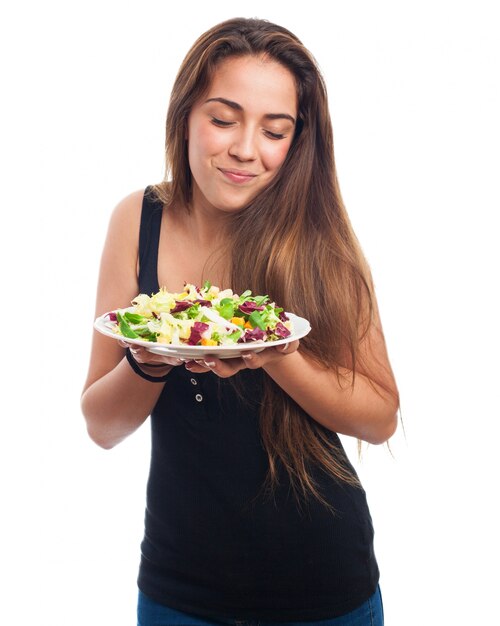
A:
237, 176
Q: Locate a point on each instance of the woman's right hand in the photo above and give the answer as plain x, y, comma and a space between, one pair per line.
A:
144, 357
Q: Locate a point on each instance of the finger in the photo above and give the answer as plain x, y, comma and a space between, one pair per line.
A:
197, 367
161, 359
172, 361
288, 347
145, 357
224, 367
136, 351
252, 360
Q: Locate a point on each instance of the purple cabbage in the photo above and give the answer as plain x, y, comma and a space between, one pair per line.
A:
181, 305
206, 303
197, 330
283, 316
112, 316
254, 334
282, 331
249, 307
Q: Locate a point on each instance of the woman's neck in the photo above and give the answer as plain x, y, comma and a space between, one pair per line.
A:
204, 226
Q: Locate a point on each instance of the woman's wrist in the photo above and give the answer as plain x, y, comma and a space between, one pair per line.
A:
279, 365
154, 372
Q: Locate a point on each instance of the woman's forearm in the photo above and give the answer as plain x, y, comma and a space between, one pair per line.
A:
358, 411
116, 404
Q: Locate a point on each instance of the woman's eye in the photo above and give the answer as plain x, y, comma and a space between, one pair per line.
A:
218, 122
274, 135
224, 124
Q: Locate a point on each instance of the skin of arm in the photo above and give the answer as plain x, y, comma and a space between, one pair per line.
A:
364, 410
356, 410
115, 401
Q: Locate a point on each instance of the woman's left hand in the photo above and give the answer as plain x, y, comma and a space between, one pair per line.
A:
251, 360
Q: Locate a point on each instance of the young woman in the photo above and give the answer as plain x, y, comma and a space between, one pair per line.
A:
254, 513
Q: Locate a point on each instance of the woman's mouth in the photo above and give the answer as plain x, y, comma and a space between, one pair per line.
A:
237, 176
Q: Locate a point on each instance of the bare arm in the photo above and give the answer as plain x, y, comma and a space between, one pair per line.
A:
366, 410
115, 401
356, 410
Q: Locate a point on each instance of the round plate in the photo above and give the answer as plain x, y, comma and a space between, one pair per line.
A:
301, 329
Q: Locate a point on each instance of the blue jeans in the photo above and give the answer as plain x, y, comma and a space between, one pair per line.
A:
150, 613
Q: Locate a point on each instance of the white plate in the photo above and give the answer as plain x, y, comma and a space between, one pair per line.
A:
301, 329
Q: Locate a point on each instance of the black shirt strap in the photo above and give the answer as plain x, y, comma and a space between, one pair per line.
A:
149, 239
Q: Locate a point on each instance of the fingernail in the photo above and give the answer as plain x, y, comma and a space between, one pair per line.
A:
209, 363
247, 357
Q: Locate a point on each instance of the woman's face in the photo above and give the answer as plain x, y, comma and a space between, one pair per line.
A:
240, 131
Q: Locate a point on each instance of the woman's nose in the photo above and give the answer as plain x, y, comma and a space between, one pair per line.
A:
243, 146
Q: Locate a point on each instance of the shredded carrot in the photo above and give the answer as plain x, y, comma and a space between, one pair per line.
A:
239, 321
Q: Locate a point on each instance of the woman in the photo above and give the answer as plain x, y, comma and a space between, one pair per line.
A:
254, 511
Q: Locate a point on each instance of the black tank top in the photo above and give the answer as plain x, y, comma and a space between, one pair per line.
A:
215, 544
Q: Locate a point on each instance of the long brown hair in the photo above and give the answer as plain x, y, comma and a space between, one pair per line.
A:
307, 257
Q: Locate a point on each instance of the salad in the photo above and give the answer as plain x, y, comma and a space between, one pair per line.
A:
204, 316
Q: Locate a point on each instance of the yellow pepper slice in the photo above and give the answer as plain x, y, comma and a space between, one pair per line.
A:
208, 342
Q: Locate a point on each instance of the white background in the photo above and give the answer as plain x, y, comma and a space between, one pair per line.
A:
415, 97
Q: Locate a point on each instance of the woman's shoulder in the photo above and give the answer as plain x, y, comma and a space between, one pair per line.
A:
128, 209
123, 227
125, 218
127, 213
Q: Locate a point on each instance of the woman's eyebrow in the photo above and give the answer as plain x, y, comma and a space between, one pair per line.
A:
238, 107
